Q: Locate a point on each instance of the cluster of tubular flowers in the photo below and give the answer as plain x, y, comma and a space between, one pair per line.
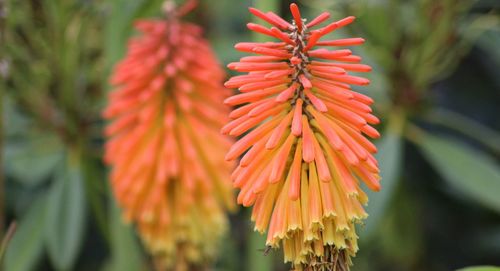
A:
302, 146
164, 146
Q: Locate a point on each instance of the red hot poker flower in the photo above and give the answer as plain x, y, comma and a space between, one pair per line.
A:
167, 155
302, 145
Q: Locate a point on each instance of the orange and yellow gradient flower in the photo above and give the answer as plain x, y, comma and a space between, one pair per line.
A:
302, 145
167, 155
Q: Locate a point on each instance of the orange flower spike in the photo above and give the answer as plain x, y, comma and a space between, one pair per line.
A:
164, 146
306, 147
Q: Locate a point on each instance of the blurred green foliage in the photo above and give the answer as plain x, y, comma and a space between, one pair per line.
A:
481, 268
436, 87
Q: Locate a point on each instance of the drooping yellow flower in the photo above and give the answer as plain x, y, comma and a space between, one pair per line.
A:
167, 155
304, 154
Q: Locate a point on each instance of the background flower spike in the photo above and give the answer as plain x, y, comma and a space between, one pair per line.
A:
168, 173
307, 145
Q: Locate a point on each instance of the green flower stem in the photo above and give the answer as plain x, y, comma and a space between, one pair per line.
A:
397, 120
80, 157
2, 91
6, 239
414, 133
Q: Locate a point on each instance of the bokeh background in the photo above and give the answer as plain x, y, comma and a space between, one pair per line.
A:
436, 83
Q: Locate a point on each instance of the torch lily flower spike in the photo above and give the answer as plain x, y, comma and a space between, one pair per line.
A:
303, 147
168, 173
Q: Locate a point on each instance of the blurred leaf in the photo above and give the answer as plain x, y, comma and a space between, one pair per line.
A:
375, 20
119, 24
65, 223
401, 236
125, 250
26, 247
399, 240
223, 46
486, 240
474, 173
485, 135
374, 17
484, 30
32, 159
256, 260
229, 256
487, 4
390, 153
17, 123
96, 191
480, 268
489, 42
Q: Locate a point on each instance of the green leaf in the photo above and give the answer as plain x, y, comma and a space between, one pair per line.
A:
487, 42
483, 31
486, 240
119, 24
26, 247
474, 173
66, 217
390, 153
32, 159
480, 268
400, 234
467, 126
256, 260
229, 255
377, 19
256, 257
125, 250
